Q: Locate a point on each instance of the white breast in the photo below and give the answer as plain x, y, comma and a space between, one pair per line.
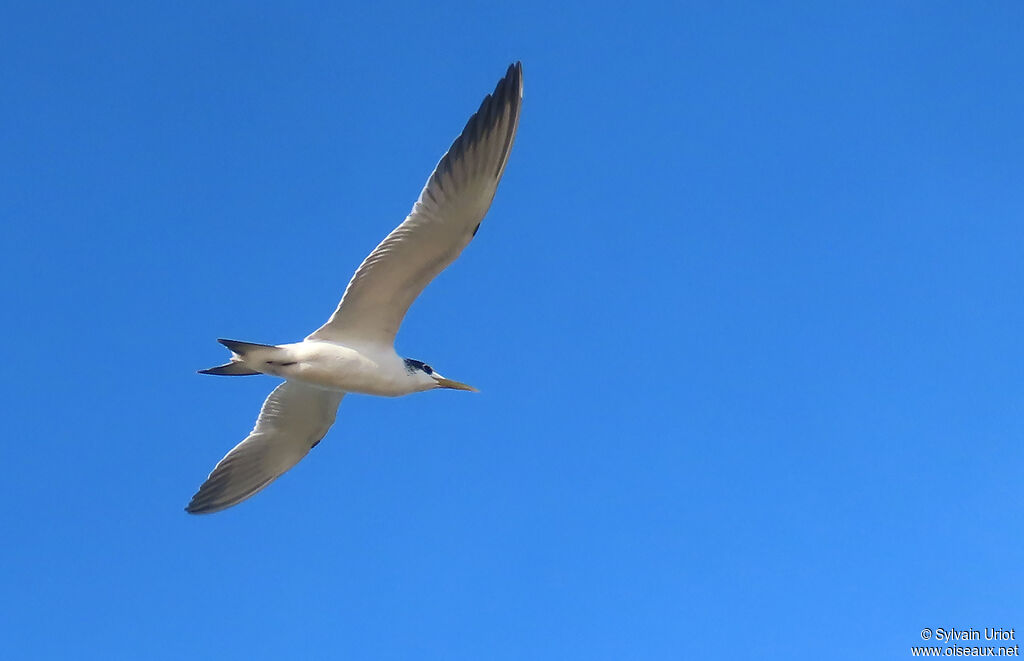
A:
339, 367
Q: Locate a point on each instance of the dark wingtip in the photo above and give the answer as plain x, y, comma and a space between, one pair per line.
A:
515, 71
508, 93
195, 508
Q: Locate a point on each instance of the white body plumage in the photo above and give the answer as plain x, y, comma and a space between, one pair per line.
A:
333, 366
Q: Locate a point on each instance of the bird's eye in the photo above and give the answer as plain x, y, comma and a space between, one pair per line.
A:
428, 369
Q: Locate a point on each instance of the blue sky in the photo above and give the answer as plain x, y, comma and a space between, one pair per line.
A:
745, 314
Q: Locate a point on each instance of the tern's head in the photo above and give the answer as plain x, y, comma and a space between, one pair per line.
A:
428, 379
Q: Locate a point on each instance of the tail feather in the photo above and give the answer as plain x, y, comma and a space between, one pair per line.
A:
237, 366
242, 348
230, 369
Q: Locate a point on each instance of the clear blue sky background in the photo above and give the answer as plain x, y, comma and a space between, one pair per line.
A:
746, 317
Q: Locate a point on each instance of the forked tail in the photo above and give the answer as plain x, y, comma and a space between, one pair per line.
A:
237, 366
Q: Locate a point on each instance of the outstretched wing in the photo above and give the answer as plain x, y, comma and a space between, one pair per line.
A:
443, 222
293, 419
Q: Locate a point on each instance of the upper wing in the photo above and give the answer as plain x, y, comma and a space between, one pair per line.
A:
442, 223
293, 419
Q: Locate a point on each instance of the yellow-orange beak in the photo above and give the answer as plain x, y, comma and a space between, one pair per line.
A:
454, 385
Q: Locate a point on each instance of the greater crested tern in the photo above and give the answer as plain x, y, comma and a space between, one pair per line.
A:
354, 351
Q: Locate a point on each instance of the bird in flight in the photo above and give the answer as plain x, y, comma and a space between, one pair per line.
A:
354, 351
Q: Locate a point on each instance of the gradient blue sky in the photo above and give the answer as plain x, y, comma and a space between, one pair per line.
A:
746, 317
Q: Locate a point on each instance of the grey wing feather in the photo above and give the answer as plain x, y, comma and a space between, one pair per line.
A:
442, 223
293, 419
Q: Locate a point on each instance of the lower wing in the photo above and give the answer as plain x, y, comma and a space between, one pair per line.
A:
293, 419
